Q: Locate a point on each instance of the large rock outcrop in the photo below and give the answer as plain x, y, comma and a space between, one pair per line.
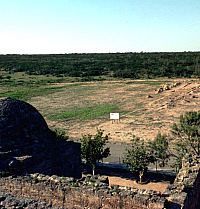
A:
27, 145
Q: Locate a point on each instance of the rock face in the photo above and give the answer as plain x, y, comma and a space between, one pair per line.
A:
19, 120
27, 145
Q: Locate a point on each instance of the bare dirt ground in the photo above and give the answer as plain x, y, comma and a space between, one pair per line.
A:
155, 186
146, 106
156, 181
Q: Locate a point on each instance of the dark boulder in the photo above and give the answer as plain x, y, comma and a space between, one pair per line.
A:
20, 123
27, 145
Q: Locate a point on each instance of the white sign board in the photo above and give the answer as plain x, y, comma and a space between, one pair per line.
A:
114, 116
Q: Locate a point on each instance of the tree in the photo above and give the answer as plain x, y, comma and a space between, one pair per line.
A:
92, 149
180, 153
187, 132
160, 149
137, 157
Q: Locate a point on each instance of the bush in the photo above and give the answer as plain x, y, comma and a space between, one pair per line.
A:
138, 157
60, 135
92, 148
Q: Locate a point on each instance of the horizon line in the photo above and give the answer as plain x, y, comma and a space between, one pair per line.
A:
131, 52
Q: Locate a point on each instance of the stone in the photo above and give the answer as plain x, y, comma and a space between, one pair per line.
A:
160, 90
149, 96
19, 119
27, 145
166, 87
12, 201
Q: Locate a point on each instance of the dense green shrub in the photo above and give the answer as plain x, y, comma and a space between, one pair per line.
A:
124, 65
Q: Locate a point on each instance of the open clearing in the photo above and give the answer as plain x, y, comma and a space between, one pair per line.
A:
83, 107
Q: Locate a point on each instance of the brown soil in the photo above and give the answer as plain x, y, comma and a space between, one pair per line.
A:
158, 186
144, 111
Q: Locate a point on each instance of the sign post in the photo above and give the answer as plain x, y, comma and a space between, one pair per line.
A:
114, 116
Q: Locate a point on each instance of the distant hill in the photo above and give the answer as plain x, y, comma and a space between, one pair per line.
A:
125, 65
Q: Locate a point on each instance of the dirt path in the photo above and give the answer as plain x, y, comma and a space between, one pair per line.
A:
158, 186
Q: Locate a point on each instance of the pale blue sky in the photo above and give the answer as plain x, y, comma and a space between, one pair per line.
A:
82, 26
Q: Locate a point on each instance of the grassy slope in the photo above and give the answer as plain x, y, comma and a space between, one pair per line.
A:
85, 113
25, 87
76, 101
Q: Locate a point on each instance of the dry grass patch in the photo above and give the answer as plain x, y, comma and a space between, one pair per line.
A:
141, 115
80, 108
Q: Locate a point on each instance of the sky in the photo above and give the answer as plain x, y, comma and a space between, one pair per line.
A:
88, 26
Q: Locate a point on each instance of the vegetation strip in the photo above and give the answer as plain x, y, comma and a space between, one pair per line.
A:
123, 65
84, 113
27, 93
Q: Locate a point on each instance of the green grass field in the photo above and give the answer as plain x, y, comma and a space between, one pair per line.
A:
85, 113
36, 87
77, 107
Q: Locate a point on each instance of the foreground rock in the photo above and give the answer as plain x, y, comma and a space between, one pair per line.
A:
96, 192
27, 145
8, 201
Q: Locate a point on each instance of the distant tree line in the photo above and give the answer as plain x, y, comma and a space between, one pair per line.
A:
124, 65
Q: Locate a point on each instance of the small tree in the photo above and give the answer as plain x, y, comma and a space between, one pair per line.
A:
159, 148
92, 149
137, 157
188, 132
180, 153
